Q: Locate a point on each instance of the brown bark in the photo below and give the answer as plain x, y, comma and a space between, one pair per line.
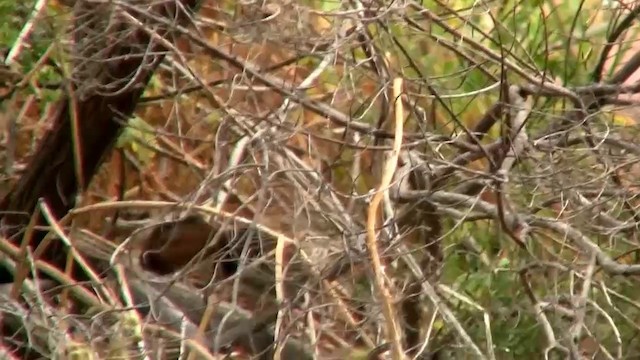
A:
113, 62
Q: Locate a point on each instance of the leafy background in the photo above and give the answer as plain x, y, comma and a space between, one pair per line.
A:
512, 302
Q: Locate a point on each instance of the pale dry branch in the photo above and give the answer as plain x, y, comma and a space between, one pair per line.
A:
382, 284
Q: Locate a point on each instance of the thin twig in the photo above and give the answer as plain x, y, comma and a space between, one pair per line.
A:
393, 333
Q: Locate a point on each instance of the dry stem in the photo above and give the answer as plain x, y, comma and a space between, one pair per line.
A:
389, 169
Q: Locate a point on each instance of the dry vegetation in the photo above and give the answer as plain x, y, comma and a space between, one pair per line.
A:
439, 179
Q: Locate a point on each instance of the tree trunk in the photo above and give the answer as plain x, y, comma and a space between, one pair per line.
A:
113, 61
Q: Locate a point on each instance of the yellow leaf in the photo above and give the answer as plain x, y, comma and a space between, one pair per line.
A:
320, 24
621, 119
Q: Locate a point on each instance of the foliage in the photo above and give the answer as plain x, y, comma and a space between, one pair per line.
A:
289, 108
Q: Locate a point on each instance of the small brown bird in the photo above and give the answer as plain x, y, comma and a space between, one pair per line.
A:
172, 245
